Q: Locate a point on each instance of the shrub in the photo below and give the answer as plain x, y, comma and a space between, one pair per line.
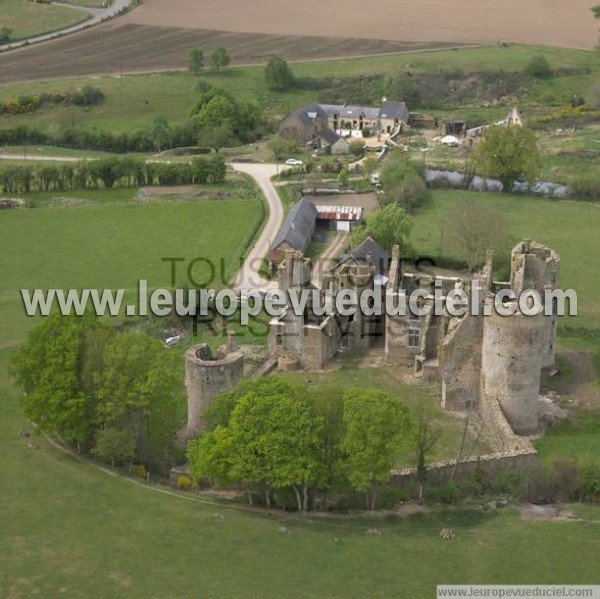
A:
140, 470
357, 147
589, 487
587, 186
538, 67
509, 482
184, 483
87, 96
450, 492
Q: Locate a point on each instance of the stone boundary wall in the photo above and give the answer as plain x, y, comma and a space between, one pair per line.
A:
490, 465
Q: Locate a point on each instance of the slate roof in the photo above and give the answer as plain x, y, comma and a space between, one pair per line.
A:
309, 114
394, 110
369, 247
351, 112
298, 226
329, 136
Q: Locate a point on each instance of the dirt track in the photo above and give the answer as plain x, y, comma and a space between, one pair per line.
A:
567, 23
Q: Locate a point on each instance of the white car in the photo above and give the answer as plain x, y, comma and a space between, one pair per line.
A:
293, 162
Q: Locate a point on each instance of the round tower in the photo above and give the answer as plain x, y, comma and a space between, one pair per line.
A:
511, 366
206, 376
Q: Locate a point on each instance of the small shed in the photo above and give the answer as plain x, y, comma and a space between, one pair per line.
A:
340, 218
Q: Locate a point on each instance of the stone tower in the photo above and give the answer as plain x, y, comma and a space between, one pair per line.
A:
206, 376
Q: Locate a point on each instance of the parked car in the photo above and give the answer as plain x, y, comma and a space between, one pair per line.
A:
293, 162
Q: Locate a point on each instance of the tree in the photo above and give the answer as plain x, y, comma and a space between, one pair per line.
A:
538, 67
426, 437
473, 228
47, 367
139, 391
369, 165
220, 58
357, 147
216, 137
282, 148
343, 178
161, 132
388, 226
278, 75
508, 154
218, 108
596, 11
114, 446
195, 60
266, 437
399, 179
377, 428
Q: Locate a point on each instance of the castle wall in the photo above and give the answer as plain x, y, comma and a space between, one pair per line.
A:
511, 367
460, 363
205, 377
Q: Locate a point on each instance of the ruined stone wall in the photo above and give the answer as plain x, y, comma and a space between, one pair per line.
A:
490, 465
511, 367
205, 377
460, 363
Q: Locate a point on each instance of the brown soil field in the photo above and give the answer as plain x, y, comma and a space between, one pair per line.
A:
157, 36
567, 23
113, 46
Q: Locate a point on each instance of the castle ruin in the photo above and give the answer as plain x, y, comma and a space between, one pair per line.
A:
485, 363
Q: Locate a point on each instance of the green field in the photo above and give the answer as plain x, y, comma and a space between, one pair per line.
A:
70, 530
570, 227
28, 19
133, 101
111, 244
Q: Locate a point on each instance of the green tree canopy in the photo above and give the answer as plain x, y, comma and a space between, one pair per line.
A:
402, 183
278, 75
139, 391
377, 428
48, 367
508, 154
220, 58
388, 226
196, 60
216, 108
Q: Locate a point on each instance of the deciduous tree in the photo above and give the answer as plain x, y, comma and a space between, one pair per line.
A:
377, 429
220, 58
278, 75
389, 226
508, 154
196, 60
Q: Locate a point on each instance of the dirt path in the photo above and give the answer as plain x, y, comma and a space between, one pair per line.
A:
249, 276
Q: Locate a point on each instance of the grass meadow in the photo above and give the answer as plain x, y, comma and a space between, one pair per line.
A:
112, 243
570, 227
134, 100
27, 19
71, 530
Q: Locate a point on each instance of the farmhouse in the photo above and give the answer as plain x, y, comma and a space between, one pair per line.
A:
306, 124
